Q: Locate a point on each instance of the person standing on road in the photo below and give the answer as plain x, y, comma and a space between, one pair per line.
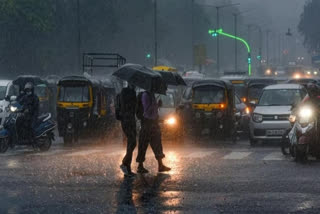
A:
150, 132
128, 102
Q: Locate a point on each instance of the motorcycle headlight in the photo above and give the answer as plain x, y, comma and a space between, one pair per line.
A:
13, 108
305, 113
257, 118
171, 121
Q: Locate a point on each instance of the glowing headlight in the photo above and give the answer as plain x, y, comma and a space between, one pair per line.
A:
315, 73
171, 121
247, 110
305, 113
13, 108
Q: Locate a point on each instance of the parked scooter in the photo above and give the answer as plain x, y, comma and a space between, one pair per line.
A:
11, 134
304, 137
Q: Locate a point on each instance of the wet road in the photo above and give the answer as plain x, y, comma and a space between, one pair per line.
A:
206, 177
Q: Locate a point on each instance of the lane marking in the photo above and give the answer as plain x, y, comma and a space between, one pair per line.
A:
236, 155
49, 153
199, 154
84, 153
276, 156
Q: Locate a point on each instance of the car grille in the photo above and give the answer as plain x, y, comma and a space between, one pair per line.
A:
275, 117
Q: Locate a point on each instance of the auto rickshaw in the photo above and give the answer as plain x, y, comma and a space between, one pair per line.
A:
81, 108
240, 85
213, 107
255, 87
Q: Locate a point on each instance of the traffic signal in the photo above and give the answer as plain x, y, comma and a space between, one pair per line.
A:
249, 60
258, 57
215, 34
148, 56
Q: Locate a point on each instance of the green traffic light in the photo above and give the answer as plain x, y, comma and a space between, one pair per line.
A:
259, 57
148, 56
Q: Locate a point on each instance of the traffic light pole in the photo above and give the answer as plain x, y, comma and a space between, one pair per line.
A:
216, 33
155, 34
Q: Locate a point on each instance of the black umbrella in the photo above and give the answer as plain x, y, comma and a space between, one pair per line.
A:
142, 77
22, 80
172, 78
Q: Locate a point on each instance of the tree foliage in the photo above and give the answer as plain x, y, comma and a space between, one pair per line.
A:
307, 27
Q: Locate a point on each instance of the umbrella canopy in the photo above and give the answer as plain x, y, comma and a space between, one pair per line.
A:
172, 78
142, 77
22, 80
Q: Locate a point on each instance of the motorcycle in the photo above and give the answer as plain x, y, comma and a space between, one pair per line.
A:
303, 137
11, 134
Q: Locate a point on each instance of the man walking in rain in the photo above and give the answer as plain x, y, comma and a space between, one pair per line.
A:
128, 102
150, 132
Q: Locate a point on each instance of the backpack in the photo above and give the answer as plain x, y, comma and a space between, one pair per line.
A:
139, 107
118, 107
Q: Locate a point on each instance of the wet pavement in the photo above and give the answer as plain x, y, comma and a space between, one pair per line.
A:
206, 177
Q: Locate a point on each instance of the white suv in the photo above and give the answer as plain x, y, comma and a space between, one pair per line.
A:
6, 90
270, 118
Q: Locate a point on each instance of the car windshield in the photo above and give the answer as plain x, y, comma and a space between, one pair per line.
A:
167, 101
255, 91
74, 94
208, 95
280, 97
3, 90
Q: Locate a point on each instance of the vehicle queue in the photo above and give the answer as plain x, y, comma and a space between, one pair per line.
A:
226, 108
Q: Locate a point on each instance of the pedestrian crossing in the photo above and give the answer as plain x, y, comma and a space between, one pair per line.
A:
190, 153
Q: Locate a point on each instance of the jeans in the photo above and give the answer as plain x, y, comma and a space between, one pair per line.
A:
150, 133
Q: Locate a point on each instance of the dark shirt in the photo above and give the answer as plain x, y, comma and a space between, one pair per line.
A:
128, 101
30, 104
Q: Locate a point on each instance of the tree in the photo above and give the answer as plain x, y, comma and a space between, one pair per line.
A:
307, 26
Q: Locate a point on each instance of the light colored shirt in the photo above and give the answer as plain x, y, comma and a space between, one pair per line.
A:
150, 106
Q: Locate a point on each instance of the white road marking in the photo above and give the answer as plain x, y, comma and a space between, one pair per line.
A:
199, 154
236, 155
49, 153
116, 153
84, 153
276, 156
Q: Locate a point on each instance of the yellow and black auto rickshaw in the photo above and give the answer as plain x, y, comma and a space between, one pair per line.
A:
81, 108
240, 85
213, 106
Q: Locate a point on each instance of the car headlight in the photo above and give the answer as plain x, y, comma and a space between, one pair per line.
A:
305, 114
171, 121
13, 108
257, 118
292, 118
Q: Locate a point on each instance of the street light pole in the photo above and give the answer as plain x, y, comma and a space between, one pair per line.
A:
236, 42
192, 32
267, 48
79, 36
155, 34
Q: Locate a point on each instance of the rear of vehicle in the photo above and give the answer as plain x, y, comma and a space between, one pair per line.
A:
240, 86
43, 93
212, 107
74, 107
255, 88
270, 118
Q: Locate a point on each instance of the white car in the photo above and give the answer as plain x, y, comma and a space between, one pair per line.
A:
6, 90
270, 118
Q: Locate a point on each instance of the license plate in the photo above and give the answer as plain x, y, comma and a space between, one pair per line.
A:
275, 132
